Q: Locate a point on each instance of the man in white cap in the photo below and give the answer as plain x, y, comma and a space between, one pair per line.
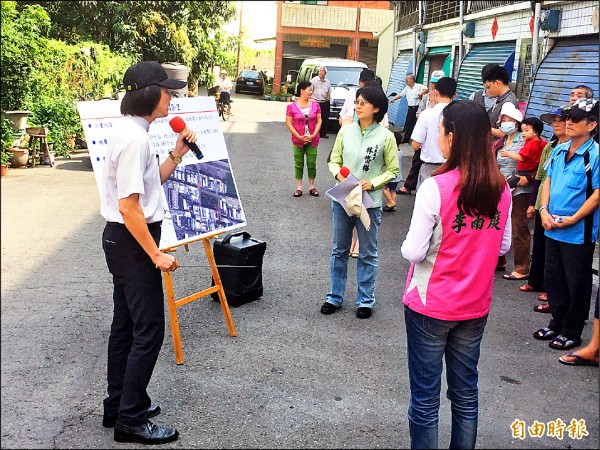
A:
427, 101
224, 82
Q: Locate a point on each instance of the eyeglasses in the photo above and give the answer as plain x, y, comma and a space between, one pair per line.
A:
572, 119
361, 103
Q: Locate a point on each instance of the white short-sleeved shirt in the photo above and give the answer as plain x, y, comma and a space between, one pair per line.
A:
131, 167
412, 94
225, 84
426, 133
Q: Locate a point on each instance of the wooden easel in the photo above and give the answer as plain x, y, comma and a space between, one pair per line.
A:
174, 304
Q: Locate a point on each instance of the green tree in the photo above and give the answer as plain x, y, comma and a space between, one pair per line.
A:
165, 31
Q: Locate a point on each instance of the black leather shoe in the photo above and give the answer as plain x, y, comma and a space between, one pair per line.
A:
110, 421
149, 434
363, 312
324, 137
328, 308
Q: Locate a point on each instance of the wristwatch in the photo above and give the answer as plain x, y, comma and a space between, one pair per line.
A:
175, 159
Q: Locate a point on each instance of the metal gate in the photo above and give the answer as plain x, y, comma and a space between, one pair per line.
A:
571, 62
402, 65
469, 74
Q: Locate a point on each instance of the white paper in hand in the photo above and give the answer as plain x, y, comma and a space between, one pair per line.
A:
341, 191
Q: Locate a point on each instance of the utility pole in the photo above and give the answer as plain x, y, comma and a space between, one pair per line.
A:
357, 36
240, 36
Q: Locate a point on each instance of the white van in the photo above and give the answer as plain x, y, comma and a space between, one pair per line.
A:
343, 75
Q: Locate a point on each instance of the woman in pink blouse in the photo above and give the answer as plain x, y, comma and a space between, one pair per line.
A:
303, 119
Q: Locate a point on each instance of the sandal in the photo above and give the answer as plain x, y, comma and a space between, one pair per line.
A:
403, 191
314, 192
298, 193
577, 360
527, 288
513, 277
543, 308
563, 343
543, 297
545, 334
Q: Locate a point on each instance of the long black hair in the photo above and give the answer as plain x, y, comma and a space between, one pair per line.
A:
481, 183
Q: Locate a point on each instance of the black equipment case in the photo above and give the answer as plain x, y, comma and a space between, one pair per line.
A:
242, 283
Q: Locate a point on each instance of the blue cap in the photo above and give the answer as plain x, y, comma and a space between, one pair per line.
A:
549, 117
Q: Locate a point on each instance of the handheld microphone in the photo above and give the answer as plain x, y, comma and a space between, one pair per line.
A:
178, 125
344, 171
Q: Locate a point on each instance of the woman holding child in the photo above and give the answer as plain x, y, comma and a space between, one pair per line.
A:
511, 144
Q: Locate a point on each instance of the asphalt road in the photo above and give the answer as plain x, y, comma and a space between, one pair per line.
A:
292, 378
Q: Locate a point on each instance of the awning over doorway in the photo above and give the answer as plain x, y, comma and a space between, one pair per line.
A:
425, 65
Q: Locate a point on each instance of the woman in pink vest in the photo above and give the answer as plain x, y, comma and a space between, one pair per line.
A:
460, 224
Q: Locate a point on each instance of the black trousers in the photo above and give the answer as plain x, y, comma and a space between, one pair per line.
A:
410, 122
538, 255
413, 174
138, 326
325, 107
568, 282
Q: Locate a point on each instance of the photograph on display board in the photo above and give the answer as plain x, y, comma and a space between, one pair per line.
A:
202, 198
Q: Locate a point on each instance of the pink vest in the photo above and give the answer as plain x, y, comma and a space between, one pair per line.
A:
455, 280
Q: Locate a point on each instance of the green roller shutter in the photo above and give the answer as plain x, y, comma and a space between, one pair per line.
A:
469, 73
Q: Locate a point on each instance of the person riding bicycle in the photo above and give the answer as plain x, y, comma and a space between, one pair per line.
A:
225, 84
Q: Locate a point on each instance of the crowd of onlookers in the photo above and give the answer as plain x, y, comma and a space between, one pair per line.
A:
481, 171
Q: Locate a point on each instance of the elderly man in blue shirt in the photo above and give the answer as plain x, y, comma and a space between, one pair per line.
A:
569, 213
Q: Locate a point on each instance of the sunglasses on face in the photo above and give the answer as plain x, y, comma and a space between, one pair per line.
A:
572, 119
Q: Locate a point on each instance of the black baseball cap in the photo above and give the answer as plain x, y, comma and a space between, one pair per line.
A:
366, 75
148, 73
583, 108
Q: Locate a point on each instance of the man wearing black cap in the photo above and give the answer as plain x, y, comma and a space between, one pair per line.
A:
131, 203
569, 214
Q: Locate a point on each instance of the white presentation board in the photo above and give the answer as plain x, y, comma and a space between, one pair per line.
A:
201, 196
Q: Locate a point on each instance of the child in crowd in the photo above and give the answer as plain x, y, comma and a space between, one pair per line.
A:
529, 156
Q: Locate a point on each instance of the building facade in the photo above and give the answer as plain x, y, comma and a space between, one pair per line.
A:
328, 29
548, 47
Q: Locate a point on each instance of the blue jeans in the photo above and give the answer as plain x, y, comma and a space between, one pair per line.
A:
428, 341
366, 269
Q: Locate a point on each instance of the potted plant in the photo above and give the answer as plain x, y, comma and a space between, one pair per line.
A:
14, 144
4, 162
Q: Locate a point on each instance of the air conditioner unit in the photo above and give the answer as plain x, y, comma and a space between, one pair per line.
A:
469, 29
550, 19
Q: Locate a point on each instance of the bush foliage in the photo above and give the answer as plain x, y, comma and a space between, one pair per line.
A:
48, 77
55, 54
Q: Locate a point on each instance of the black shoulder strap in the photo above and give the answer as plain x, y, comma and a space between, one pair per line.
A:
589, 219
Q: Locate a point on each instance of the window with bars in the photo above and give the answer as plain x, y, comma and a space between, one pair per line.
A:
437, 11
407, 14
485, 5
